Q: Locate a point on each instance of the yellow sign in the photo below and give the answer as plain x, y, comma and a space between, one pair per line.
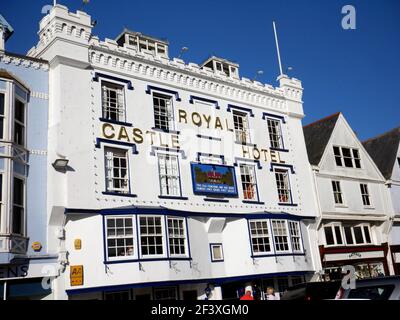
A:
36, 246
76, 276
78, 244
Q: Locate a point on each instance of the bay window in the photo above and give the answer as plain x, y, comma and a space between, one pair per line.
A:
19, 122
176, 236
18, 206
119, 232
260, 236
295, 235
151, 236
279, 229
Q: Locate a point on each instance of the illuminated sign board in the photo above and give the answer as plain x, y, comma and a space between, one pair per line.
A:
211, 179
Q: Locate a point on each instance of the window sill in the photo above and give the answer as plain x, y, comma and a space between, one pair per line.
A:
148, 260
122, 123
277, 255
288, 204
173, 197
217, 260
165, 130
253, 202
341, 206
215, 200
279, 149
369, 208
127, 195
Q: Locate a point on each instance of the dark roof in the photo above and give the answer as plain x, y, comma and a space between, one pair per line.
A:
317, 135
383, 150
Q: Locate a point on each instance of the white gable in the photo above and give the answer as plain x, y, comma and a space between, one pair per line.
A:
344, 136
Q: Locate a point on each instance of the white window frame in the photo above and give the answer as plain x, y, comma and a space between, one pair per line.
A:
361, 225
117, 237
117, 106
110, 154
295, 236
286, 190
177, 236
258, 235
241, 126
154, 235
169, 175
333, 227
365, 194
163, 120
249, 172
352, 157
275, 133
337, 193
283, 226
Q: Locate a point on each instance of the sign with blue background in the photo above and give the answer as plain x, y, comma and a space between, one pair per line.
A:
209, 179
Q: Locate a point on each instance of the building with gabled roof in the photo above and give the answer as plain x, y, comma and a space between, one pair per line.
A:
355, 210
385, 150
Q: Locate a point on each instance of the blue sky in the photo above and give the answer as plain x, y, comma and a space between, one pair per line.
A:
353, 71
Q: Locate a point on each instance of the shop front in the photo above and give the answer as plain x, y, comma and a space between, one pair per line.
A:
368, 262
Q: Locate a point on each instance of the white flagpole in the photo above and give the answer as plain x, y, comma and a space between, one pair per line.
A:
277, 49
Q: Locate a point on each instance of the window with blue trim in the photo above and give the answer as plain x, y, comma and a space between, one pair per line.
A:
241, 125
260, 237
120, 240
275, 133
249, 181
163, 112
151, 236
216, 251
177, 236
170, 184
281, 237
283, 186
113, 101
295, 235
116, 167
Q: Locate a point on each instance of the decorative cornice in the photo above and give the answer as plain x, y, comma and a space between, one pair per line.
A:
23, 61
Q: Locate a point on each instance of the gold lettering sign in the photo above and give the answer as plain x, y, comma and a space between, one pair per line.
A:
76, 276
78, 244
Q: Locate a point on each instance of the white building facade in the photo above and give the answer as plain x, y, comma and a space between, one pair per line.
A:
356, 211
180, 181
385, 150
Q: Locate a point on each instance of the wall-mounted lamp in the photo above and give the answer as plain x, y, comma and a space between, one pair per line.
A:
60, 164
